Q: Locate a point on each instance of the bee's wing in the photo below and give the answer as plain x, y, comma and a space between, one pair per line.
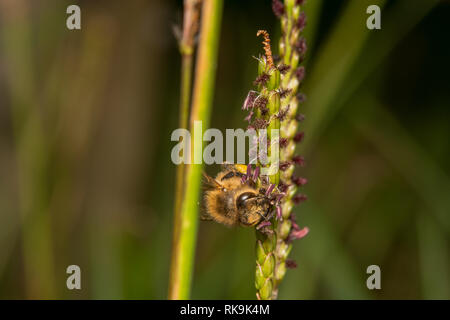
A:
210, 183
227, 166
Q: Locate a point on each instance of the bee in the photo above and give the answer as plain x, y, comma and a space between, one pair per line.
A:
231, 200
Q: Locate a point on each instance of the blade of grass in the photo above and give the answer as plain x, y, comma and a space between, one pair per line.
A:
187, 43
201, 109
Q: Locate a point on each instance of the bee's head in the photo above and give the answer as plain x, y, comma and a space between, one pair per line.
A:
252, 207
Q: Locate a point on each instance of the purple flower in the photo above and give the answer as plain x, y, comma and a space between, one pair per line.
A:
301, 22
298, 234
248, 103
279, 213
301, 97
299, 181
282, 187
291, 264
299, 198
261, 80
300, 46
282, 114
299, 137
278, 8
256, 174
283, 68
270, 189
300, 73
299, 160
249, 116
249, 170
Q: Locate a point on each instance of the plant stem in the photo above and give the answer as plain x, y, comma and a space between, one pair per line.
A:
292, 52
265, 243
187, 44
273, 247
201, 110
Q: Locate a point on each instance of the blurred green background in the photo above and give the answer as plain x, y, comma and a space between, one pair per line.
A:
85, 170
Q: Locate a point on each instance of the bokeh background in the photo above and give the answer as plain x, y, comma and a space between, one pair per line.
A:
85, 170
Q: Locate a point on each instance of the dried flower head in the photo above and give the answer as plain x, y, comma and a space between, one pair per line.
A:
261, 79
267, 49
284, 92
282, 114
283, 68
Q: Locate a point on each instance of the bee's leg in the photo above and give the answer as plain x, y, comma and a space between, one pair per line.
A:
210, 182
268, 214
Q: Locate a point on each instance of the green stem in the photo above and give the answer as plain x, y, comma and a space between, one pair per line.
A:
201, 110
190, 28
266, 241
